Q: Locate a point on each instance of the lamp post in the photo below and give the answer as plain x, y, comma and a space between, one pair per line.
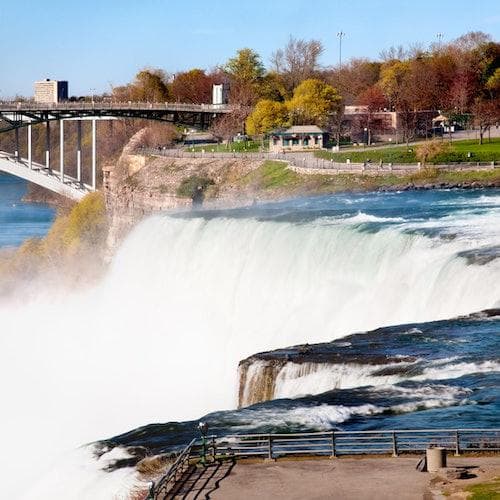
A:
439, 36
203, 428
340, 35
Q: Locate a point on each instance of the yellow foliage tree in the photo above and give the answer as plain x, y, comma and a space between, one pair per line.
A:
314, 102
267, 115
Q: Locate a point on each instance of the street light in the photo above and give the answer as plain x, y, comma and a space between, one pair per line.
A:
340, 35
203, 428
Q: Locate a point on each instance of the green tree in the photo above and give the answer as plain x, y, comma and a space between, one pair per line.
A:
267, 115
314, 101
246, 66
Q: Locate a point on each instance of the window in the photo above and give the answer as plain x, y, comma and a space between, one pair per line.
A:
305, 142
286, 142
295, 142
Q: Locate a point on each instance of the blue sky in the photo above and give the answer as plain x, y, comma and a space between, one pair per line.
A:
98, 43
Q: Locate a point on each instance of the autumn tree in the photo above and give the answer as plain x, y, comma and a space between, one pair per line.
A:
374, 100
193, 86
149, 85
353, 78
314, 101
266, 116
245, 71
486, 112
245, 67
297, 61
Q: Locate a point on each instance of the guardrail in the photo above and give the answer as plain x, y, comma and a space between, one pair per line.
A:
324, 444
337, 443
78, 105
308, 162
174, 474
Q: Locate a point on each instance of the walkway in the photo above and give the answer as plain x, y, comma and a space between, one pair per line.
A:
337, 479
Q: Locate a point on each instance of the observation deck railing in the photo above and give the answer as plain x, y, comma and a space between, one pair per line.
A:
330, 444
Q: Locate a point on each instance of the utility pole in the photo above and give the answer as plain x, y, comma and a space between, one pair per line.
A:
340, 35
439, 36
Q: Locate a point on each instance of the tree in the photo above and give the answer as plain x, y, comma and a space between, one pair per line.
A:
486, 113
297, 61
493, 83
245, 67
353, 78
431, 149
374, 100
193, 86
314, 101
267, 115
149, 85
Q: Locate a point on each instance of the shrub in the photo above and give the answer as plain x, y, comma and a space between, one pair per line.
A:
192, 185
429, 150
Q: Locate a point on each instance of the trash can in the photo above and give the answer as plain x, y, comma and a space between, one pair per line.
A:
436, 459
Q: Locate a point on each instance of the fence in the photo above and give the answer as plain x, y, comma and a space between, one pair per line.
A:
327, 444
310, 163
337, 443
105, 105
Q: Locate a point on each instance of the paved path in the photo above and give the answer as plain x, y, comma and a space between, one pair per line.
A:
337, 479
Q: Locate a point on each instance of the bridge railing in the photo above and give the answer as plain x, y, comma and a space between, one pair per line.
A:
112, 105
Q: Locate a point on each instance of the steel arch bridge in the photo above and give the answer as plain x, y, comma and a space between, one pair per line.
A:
18, 115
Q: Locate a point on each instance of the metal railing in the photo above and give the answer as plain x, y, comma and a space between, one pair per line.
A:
308, 161
324, 444
129, 105
174, 474
337, 443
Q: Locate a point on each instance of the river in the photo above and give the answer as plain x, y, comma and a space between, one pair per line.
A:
19, 220
188, 296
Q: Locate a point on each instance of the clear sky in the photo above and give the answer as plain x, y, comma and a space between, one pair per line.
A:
98, 43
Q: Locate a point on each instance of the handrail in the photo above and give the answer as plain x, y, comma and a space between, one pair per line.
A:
304, 160
114, 105
164, 486
329, 444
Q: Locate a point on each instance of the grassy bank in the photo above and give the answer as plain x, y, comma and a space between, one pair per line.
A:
236, 147
458, 152
273, 178
74, 247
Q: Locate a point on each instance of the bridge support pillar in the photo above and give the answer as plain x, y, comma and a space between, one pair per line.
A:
30, 159
79, 151
61, 150
93, 154
47, 145
17, 144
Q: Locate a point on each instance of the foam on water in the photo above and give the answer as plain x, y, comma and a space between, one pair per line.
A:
160, 338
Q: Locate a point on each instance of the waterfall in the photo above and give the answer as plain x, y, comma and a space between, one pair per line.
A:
186, 299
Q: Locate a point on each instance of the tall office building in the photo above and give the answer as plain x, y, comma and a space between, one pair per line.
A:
51, 91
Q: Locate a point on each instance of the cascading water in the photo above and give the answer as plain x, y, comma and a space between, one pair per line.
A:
188, 297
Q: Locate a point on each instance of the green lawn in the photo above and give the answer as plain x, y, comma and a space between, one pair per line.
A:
237, 147
489, 151
275, 177
485, 491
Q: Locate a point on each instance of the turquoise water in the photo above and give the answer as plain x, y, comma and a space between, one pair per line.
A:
19, 220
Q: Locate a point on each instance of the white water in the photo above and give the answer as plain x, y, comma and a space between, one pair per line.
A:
160, 338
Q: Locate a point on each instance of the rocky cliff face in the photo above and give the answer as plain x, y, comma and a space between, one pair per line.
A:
140, 185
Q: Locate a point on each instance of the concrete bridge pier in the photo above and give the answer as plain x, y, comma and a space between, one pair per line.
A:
61, 150
30, 156
79, 151
16, 153
94, 148
47, 145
